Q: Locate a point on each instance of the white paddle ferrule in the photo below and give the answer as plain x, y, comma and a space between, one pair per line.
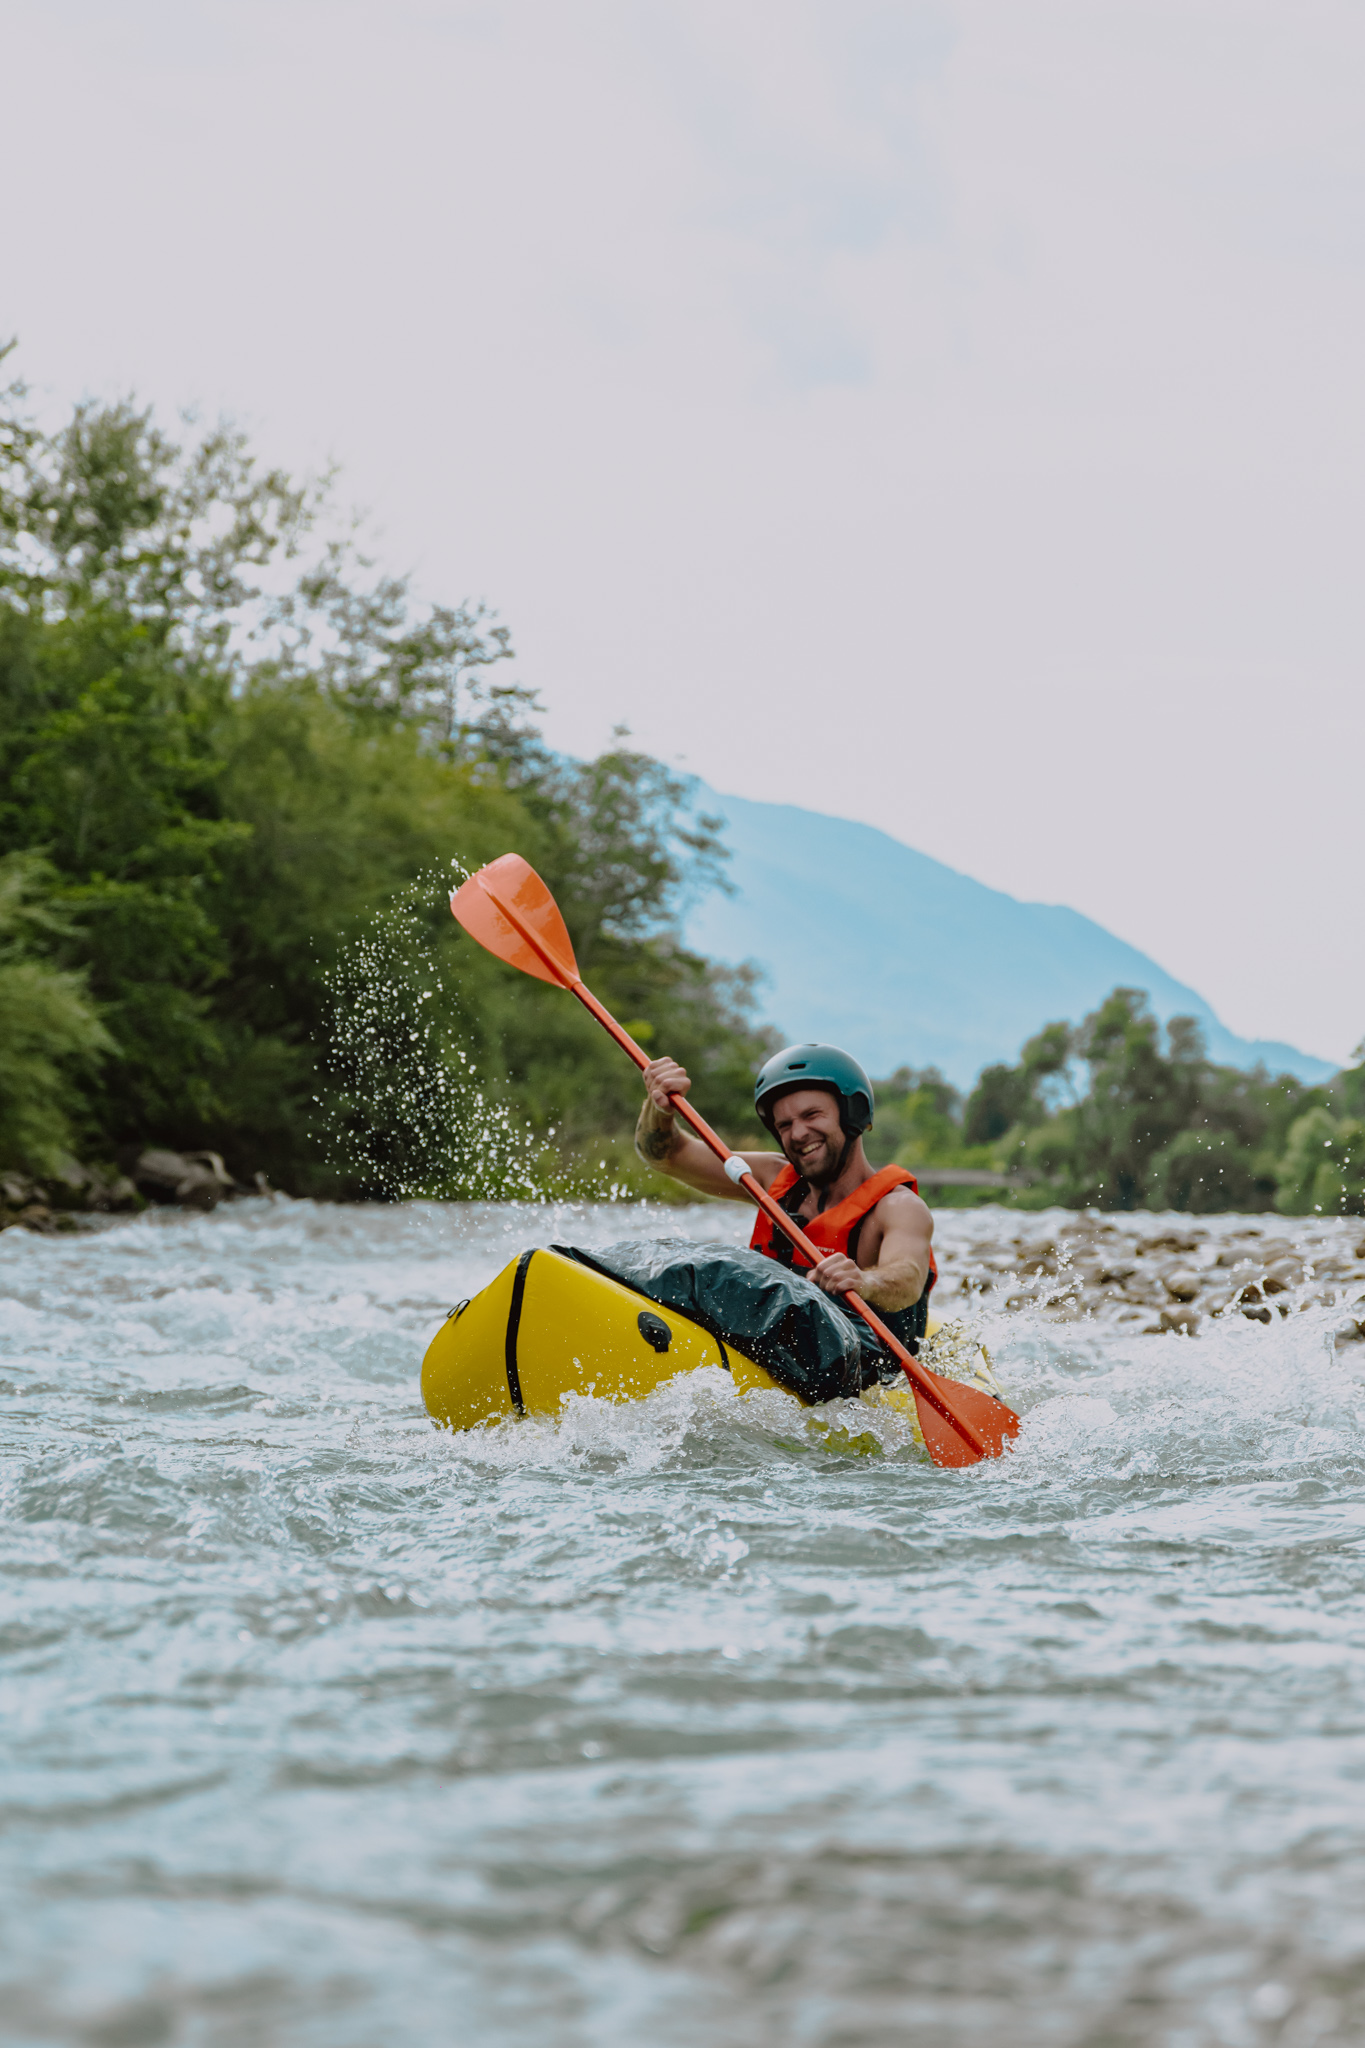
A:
735, 1169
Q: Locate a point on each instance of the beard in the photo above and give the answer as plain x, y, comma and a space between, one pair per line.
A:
820, 1170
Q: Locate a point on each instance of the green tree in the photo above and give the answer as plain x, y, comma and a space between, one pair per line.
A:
1014, 1098
918, 1121
1205, 1173
235, 745
1155, 1124
1346, 1094
1323, 1168
50, 1035
1137, 1101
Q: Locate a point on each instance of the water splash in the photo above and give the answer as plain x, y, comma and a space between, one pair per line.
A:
409, 1113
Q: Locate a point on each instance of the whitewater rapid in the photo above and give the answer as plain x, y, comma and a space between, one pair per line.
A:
667, 1723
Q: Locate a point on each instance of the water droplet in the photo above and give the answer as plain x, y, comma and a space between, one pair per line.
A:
1271, 2001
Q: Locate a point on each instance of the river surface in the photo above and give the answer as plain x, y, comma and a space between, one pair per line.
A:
672, 1723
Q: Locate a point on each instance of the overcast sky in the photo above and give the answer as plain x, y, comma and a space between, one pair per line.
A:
950, 416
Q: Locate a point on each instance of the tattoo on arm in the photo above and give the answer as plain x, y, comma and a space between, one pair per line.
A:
655, 1140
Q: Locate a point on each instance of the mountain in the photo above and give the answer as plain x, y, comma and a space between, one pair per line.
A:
871, 945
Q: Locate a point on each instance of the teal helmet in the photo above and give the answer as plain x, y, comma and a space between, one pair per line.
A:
815, 1066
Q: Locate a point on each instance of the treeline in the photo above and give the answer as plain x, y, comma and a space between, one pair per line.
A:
239, 773
227, 749
1117, 1113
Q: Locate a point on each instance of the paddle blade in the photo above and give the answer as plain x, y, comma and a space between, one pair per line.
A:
508, 909
989, 1420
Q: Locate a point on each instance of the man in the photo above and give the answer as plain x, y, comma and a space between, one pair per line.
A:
873, 1228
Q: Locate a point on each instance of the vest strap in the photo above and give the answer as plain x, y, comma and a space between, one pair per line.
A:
830, 1230
837, 1230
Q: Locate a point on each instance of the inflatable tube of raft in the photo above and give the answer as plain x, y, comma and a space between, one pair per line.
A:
806, 1339
549, 1326
552, 1325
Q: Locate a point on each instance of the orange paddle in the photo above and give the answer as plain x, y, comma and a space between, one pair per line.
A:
508, 909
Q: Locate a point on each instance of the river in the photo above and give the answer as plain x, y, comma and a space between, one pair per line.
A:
671, 1723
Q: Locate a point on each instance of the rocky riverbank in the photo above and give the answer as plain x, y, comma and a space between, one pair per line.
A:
192, 1180
1155, 1274
1148, 1274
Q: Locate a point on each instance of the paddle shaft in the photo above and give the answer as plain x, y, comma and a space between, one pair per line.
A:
756, 1192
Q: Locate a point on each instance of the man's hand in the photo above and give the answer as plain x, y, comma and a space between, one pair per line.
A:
664, 1145
838, 1275
900, 1258
664, 1078
657, 1137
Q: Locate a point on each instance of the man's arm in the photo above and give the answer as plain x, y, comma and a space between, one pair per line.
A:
899, 1269
663, 1145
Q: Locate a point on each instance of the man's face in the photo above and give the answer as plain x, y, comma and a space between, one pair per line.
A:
809, 1132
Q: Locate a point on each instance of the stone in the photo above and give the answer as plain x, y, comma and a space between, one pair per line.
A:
161, 1169
197, 1180
1122, 1279
200, 1189
213, 1161
1183, 1320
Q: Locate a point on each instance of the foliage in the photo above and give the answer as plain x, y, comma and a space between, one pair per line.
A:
239, 770
918, 1114
49, 1031
1115, 1113
1346, 1094
1323, 1168
230, 748
1008, 1097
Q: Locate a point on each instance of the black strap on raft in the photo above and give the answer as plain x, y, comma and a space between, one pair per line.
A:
513, 1325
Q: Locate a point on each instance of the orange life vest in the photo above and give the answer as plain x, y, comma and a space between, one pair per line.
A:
837, 1230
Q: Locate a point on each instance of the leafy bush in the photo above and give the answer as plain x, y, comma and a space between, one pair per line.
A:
50, 1034
1323, 1168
